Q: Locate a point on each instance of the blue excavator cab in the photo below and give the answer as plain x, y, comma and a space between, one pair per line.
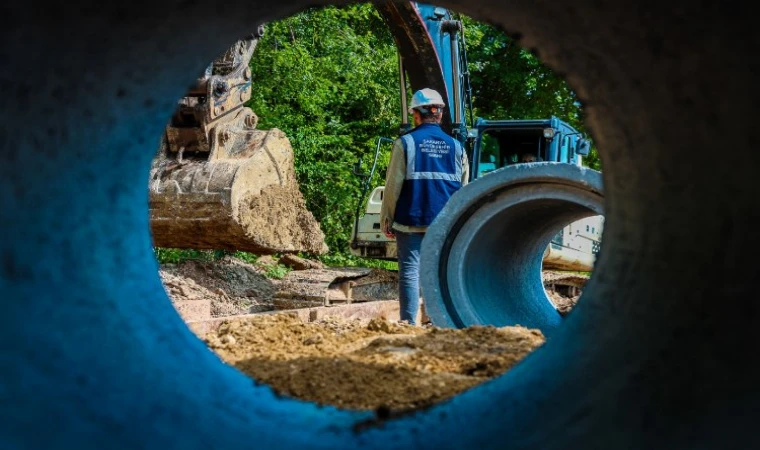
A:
501, 143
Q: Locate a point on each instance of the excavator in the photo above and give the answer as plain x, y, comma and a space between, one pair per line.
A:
217, 182
432, 52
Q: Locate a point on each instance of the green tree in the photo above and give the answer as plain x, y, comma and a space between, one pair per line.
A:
326, 77
509, 82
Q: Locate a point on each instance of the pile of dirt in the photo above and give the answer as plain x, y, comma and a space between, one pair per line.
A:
279, 218
563, 289
564, 304
369, 365
232, 285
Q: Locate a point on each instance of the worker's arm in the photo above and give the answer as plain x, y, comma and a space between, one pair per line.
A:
394, 180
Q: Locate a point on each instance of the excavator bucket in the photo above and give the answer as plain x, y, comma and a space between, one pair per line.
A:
217, 182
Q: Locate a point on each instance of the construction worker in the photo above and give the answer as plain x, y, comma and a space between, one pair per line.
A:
427, 167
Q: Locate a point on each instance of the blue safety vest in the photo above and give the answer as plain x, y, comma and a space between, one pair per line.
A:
433, 174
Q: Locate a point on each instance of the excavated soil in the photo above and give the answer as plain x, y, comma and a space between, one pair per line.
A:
233, 286
561, 300
375, 365
354, 364
279, 217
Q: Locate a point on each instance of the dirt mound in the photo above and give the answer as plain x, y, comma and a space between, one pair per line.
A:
563, 303
233, 286
369, 365
279, 219
564, 289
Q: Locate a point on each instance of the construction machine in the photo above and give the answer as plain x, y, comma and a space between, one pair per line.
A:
218, 182
432, 53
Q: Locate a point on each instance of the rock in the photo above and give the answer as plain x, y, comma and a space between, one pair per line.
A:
379, 325
266, 260
185, 292
297, 263
316, 339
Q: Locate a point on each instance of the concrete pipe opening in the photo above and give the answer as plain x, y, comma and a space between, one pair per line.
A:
93, 349
482, 258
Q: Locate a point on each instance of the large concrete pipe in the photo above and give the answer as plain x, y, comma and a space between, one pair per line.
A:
482, 257
658, 353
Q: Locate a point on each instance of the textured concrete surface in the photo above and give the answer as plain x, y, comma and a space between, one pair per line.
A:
94, 356
484, 253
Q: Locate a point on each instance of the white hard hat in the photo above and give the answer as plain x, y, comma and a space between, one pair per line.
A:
426, 97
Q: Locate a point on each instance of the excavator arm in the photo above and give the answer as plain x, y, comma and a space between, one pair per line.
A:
217, 182
420, 60
428, 41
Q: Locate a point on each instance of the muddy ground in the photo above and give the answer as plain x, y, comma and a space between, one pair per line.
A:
235, 287
369, 365
354, 364
232, 286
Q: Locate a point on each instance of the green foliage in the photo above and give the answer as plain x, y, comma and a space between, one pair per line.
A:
176, 255
247, 257
509, 82
348, 260
277, 271
327, 78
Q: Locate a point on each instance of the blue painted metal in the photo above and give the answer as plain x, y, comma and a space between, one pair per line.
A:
561, 148
434, 18
424, 36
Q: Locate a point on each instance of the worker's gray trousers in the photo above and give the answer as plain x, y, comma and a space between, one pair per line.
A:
409, 245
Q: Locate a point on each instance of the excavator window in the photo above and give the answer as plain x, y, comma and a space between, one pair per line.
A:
504, 147
489, 154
